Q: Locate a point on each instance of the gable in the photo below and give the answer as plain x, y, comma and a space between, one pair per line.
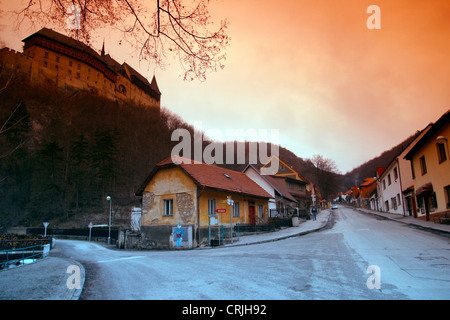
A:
170, 180
284, 169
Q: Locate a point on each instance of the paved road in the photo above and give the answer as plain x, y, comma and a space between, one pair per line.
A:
330, 264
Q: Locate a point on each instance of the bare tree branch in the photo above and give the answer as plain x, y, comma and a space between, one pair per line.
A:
170, 26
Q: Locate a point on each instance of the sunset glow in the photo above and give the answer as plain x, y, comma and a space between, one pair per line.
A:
313, 70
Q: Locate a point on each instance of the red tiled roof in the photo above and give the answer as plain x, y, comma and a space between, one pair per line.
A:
211, 176
367, 182
380, 170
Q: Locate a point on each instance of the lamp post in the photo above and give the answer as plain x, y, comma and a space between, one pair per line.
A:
109, 225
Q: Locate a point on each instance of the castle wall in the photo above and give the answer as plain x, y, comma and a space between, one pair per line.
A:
64, 66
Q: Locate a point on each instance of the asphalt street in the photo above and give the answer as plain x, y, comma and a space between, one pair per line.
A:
333, 263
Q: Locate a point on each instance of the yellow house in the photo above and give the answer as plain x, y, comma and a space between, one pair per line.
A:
195, 194
430, 166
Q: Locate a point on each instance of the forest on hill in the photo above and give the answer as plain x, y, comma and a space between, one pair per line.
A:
63, 151
368, 169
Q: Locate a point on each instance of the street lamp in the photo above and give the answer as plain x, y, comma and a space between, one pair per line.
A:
109, 226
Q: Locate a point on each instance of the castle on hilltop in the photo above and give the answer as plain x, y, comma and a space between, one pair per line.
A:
51, 57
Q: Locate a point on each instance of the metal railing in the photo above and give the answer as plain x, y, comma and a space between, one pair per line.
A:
20, 256
218, 235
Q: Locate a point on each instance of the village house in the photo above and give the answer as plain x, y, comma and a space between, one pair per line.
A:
281, 198
430, 165
365, 191
53, 59
195, 194
293, 184
395, 181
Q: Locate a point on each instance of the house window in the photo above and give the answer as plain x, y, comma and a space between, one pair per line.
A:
394, 203
212, 206
423, 165
412, 170
421, 205
447, 193
395, 174
398, 199
168, 207
260, 211
122, 89
432, 203
386, 204
236, 210
442, 156
384, 184
389, 179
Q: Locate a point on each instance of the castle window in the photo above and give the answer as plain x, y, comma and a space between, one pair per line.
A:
57, 58
56, 67
122, 89
78, 75
79, 66
69, 72
45, 54
45, 64
70, 63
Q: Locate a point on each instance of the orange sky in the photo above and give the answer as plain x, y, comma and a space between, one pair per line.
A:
313, 70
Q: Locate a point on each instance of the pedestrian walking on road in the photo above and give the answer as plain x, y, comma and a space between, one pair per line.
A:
313, 212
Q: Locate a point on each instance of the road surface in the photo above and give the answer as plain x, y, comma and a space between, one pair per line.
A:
330, 264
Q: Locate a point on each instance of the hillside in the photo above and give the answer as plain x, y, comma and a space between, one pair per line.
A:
368, 169
63, 151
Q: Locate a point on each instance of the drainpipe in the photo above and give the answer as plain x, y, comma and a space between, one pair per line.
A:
198, 214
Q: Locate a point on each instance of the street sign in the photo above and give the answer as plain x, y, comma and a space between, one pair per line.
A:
221, 210
45, 228
90, 229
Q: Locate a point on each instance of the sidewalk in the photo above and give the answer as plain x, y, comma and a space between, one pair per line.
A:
45, 279
422, 224
303, 228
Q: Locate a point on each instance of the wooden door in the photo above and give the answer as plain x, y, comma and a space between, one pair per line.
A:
251, 215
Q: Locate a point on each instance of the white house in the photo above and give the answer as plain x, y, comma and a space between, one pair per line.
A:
395, 181
281, 198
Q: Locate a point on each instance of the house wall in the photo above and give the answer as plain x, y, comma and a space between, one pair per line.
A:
221, 203
399, 185
437, 173
256, 176
391, 190
174, 184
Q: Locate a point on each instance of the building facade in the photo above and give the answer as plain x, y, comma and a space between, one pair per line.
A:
430, 165
196, 195
396, 180
53, 59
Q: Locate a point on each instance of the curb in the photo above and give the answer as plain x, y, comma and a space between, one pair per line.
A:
415, 225
74, 294
283, 237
